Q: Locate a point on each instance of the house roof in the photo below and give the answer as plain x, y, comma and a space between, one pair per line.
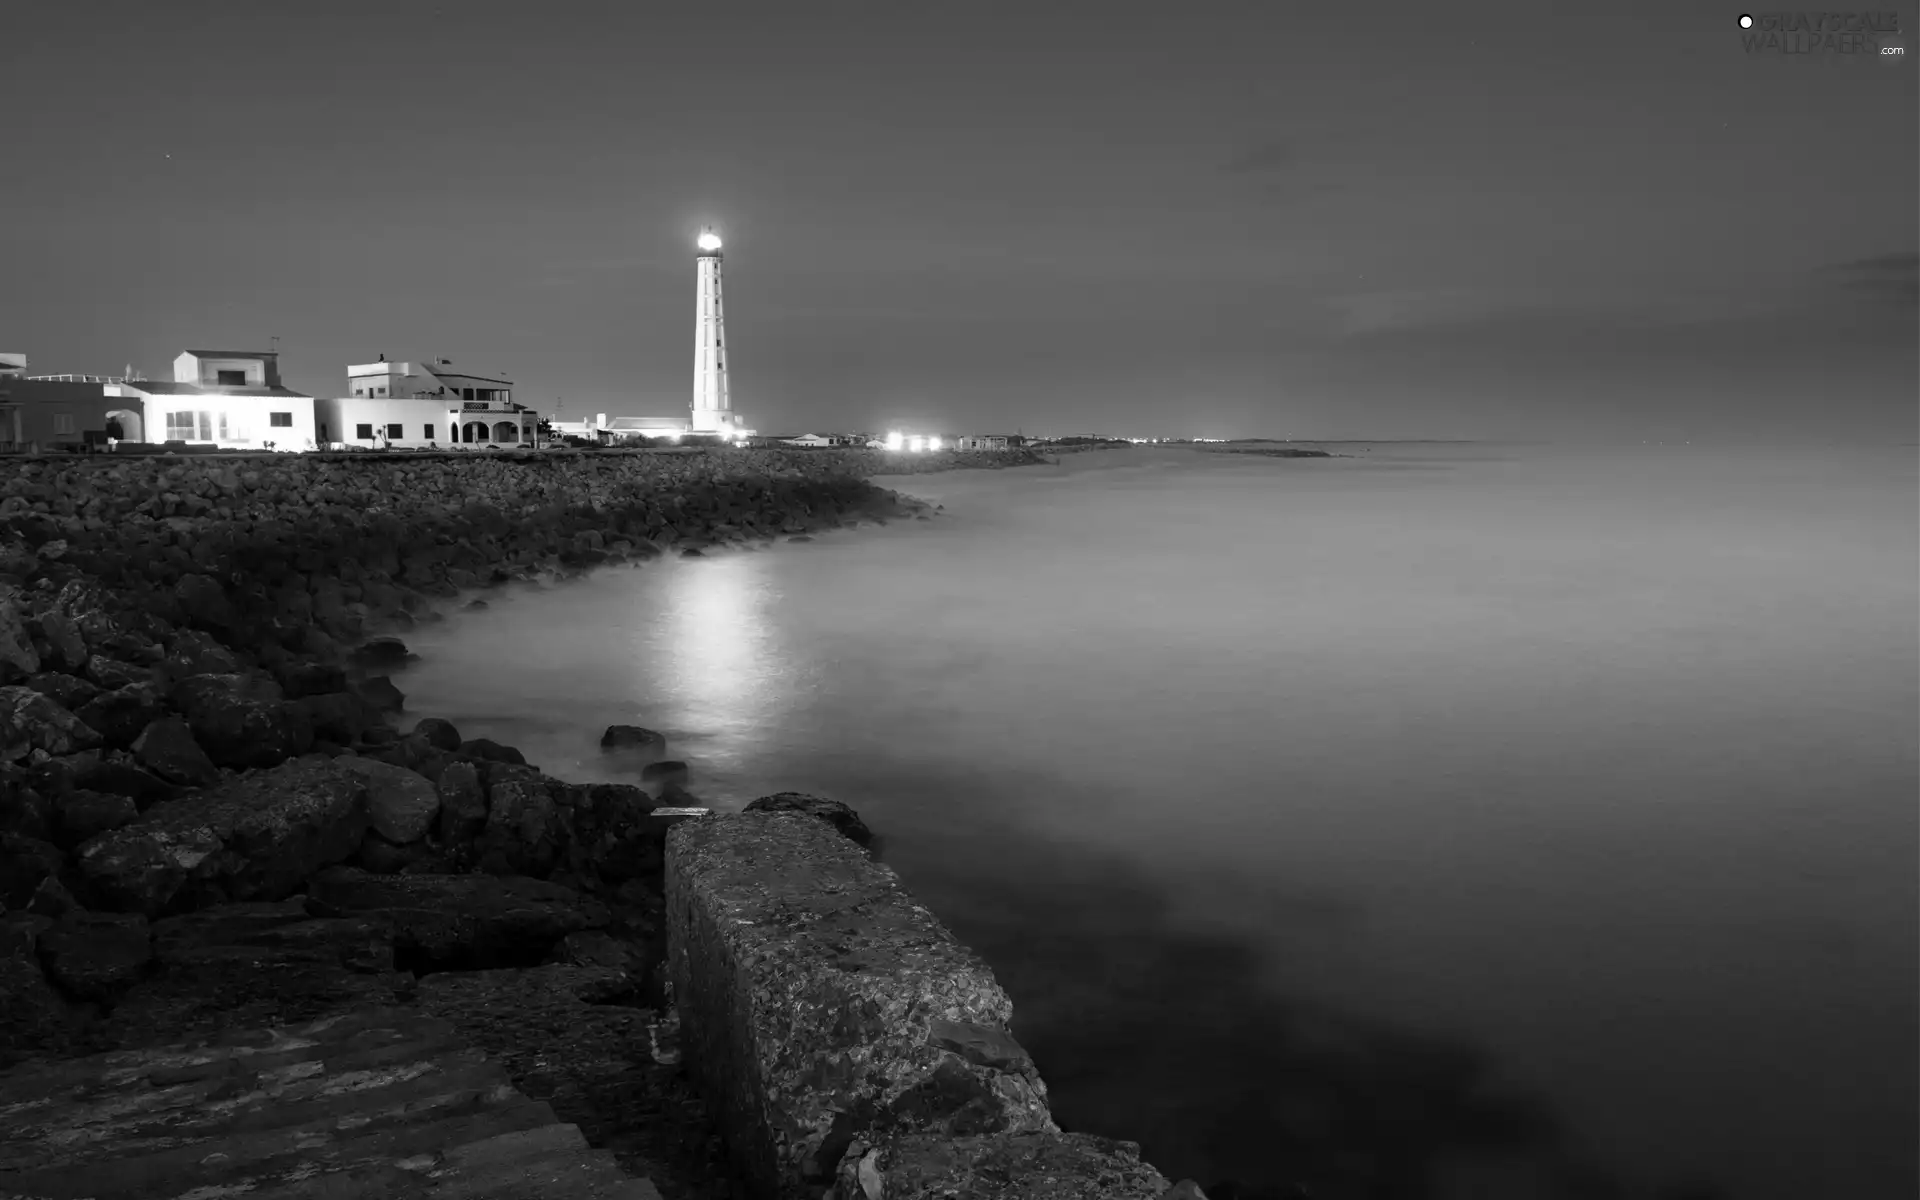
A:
233, 353
168, 387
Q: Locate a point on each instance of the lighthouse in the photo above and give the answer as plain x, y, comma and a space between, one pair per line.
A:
712, 408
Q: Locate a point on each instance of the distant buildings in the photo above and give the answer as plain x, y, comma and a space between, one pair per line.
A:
422, 406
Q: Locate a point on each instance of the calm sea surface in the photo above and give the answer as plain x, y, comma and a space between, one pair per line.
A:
1450, 821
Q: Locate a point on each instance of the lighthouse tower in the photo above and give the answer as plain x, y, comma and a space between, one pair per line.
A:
712, 408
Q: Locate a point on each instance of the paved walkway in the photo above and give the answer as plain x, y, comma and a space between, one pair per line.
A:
371, 1103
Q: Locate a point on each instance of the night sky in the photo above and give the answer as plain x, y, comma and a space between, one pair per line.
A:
1534, 221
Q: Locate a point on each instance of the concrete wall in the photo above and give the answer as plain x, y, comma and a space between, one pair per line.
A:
343, 415
839, 1032
249, 420
50, 412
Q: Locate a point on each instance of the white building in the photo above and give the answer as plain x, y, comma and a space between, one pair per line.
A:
824, 439
421, 406
232, 399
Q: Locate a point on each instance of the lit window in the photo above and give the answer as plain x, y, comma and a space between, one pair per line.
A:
179, 426
206, 426
280, 420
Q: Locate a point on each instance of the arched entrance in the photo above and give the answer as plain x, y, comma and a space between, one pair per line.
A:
474, 431
506, 431
124, 424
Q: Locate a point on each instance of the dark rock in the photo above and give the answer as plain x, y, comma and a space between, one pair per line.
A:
111, 673
383, 652
523, 833
20, 934
299, 680
18, 658
632, 739
488, 750
378, 690
241, 721
378, 735
669, 771
474, 604
25, 809
192, 652
401, 806
122, 779
24, 862
693, 552
254, 837
52, 899
67, 649
801, 537
168, 748
204, 602
459, 922
70, 692
30, 721
96, 956
380, 856
833, 812
261, 932
439, 734
341, 717
120, 716
87, 814
36, 1018
463, 804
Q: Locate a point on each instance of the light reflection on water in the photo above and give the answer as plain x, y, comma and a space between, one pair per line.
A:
1602, 763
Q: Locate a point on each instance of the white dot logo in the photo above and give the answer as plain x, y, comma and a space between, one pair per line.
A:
1746, 22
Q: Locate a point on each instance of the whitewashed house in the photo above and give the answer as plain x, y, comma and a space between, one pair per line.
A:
230, 399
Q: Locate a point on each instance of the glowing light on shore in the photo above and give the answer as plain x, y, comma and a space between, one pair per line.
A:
708, 241
916, 443
933, 443
895, 441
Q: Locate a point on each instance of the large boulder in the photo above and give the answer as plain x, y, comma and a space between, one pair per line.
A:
459, 922
633, 740
1041, 1166
121, 715
819, 1002
70, 692
251, 838
401, 805
339, 717
195, 653
241, 720
30, 721
463, 804
523, 832
66, 649
168, 749
26, 862
86, 814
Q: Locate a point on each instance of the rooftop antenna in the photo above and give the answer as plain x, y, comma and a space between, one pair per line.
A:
275, 340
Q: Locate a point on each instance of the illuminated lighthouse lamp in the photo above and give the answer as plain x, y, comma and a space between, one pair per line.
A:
708, 241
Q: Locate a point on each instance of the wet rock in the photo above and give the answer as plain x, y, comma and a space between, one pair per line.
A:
459, 922
488, 750
30, 721
632, 739
123, 779
87, 814
253, 837
380, 856
379, 691
37, 1019
833, 812
1056, 1166
70, 692
52, 899
241, 721
96, 956
262, 932
168, 748
439, 734
401, 805
693, 552
800, 537
598, 948
120, 716
670, 771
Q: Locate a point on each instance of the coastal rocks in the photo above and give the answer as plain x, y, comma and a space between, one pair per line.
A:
463, 803
459, 922
439, 734
632, 739
66, 650
487, 750
299, 680
379, 691
522, 833
111, 673
401, 805
194, 653
18, 658
833, 812
25, 862
1073, 1166
84, 815
241, 720
254, 837
30, 721
96, 956
68, 691
120, 716
667, 773
168, 749
807, 981
386, 652
339, 717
